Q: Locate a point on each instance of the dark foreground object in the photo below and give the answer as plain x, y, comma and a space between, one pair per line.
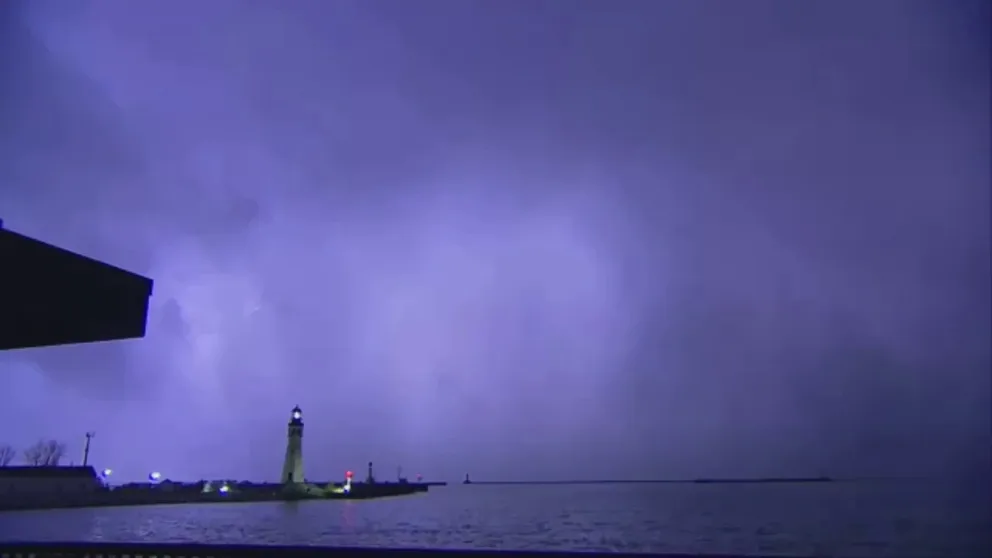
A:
51, 296
110, 550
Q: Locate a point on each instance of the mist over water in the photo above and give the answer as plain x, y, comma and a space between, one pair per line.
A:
521, 240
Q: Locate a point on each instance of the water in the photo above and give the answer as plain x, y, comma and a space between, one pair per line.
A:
840, 519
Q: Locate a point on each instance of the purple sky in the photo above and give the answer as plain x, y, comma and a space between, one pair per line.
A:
521, 239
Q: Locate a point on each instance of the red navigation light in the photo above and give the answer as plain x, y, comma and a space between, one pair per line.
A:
348, 475
419, 476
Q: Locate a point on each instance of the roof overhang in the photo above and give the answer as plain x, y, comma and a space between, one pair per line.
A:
51, 296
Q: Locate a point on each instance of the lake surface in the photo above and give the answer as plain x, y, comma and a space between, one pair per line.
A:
891, 518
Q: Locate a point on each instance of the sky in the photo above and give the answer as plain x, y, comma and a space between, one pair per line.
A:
517, 239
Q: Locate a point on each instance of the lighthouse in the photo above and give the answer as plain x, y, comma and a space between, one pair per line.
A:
292, 468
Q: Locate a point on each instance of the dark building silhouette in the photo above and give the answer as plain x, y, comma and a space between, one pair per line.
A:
47, 480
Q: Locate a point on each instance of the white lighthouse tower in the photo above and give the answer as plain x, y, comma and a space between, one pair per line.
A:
292, 468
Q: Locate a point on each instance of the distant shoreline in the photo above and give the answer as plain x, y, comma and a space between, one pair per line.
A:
771, 480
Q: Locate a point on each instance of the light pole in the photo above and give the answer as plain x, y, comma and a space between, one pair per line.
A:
86, 448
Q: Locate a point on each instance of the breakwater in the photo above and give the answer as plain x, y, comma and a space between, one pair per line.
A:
155, 496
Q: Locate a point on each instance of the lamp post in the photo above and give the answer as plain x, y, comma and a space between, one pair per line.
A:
86, 448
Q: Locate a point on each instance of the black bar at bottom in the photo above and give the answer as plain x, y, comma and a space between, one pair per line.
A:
137, 550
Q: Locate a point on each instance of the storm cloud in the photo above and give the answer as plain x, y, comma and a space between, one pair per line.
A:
520, 239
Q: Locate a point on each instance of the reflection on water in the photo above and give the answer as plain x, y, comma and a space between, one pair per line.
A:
854, 519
